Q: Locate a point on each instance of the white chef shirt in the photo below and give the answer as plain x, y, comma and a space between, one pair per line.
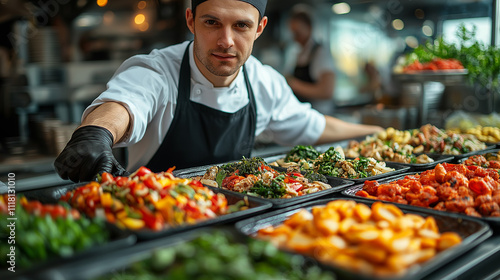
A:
147, 86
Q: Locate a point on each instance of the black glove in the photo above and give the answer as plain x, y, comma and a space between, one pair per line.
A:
88, 153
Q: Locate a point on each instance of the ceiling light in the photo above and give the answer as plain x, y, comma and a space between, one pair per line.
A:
341, 8
398, 24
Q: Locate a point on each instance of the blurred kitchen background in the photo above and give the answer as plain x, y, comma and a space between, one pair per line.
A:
57, 55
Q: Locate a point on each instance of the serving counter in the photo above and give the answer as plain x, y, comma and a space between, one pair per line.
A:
477, 260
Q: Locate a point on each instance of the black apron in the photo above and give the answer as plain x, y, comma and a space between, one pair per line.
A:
303, 72
200, 135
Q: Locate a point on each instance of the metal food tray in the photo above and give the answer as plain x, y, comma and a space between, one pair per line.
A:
424, 166
256, 205
118, 239
399, 168
472, 231
443, 76
461, 156
494, 151
336, 184
494, 222
118, 261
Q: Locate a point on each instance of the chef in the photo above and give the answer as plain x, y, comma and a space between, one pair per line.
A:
196, 103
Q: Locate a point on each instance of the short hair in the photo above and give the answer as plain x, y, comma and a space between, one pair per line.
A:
301, 14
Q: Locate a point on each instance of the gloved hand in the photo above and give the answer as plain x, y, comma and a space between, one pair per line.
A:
88, 153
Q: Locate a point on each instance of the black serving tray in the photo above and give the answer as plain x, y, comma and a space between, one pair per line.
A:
424, 166
493, 151
399, 168
456, 158
413, 166
119, 260
472, 231
118, 239
336, 184
256, 205
494, 222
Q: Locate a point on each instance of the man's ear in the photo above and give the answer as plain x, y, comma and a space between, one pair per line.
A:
190, 19
260, 28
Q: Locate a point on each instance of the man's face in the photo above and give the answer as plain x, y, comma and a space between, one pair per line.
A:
224, 33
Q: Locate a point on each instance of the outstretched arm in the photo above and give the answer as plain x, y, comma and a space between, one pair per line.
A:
89, 151
337, 130
111, 116
322, 89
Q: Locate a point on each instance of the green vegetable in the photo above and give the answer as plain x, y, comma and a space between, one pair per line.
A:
184, 189
301, 152
245, 166
275, 189
220, 177
313, 176
235, 207
482, 61
216, 256
332, 155
43, 238
413, 159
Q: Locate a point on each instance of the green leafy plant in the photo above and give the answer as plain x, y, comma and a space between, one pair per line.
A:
482, 61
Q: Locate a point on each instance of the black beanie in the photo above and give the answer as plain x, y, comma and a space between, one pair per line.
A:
260, 5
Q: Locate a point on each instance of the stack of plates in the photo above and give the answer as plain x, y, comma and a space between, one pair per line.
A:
44, 46
45, 50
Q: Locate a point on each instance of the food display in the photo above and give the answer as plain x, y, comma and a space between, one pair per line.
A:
147, 200
481, 125
219, 256
46, 232
430, 139
487, 160
480, 60
483, 133
386, 150
436, 64
332, 163
380, 240
470, 190
254, 176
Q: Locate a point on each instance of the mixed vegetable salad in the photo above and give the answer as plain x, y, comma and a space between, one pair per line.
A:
147, 200
332, 163
254, 176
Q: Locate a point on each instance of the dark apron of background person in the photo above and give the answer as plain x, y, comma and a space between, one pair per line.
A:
303, 72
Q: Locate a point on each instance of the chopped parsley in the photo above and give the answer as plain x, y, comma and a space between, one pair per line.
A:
275, 188
301, 152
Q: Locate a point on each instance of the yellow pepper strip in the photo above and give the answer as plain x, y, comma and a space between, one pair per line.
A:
133, 224
121, 215
106, 200
23, 201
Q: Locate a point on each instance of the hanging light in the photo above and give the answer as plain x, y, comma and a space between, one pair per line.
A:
102, 3
398, 24
139, 19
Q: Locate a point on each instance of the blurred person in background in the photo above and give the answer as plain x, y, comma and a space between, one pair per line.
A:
313, 78
372, 86
196, 103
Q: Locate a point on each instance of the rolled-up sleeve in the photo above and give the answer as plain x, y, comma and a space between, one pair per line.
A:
138, 85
